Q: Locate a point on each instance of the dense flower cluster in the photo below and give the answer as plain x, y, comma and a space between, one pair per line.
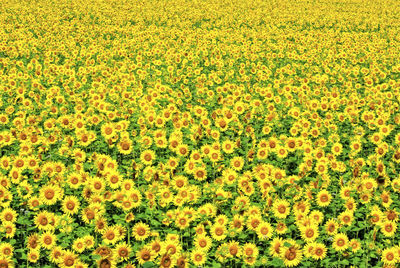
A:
187, 133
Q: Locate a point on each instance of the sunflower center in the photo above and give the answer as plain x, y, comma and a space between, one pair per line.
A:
69, 261
123, 252
49, 194
141, 231
70, 205
340, 242
310, 233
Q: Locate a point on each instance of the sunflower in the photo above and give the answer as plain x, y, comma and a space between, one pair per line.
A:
167, 261
198, 257
316, 216
79, 245
70, 205
340, 242
74, 180
147, 157
122, 252
324, 198
215, 155
8, 215
89, 241
196, 156
228, 146
331, 227
281, 228
281, 151
5, 162
237, 223
42, 220
262, 153
33, 241
281, 208
291, 255
68, 259
250, 250
114, 179
388, 228
264, 231
346, 217
308, 250
49, 195
20, 163
276, 246
355, 245
350, 204
290, 144
218, 232
390, 256
141, 231
237, 163
309, 233
125, 146
182, 222
337, 149
203, 242
253, 221
319, 251
33, 256
183, 150
106, 262
110, 235
48, 240
6, 249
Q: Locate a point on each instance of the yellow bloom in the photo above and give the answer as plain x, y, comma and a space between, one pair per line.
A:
324, 198
198, 257
70, 205
141, 231
281, 208
340, 242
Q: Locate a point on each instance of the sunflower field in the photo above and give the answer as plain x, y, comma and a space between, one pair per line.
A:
194, 133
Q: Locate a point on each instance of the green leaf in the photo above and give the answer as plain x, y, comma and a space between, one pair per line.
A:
286, 244
149, 264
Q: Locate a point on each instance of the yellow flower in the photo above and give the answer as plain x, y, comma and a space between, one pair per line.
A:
110, 235
324, 198
388, 228
79, 245
202, 242
218, 232
122, 251
237, 163
281, 208
198, 257
319, 251
141, 231
49, 195
264, 231
145, 255
147, 157
6, 249
331, 227
125, 146
309, 233
337, 148
390, 256
8, 215
228, 146
340, 242
70, 205
48, 240
291, 255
